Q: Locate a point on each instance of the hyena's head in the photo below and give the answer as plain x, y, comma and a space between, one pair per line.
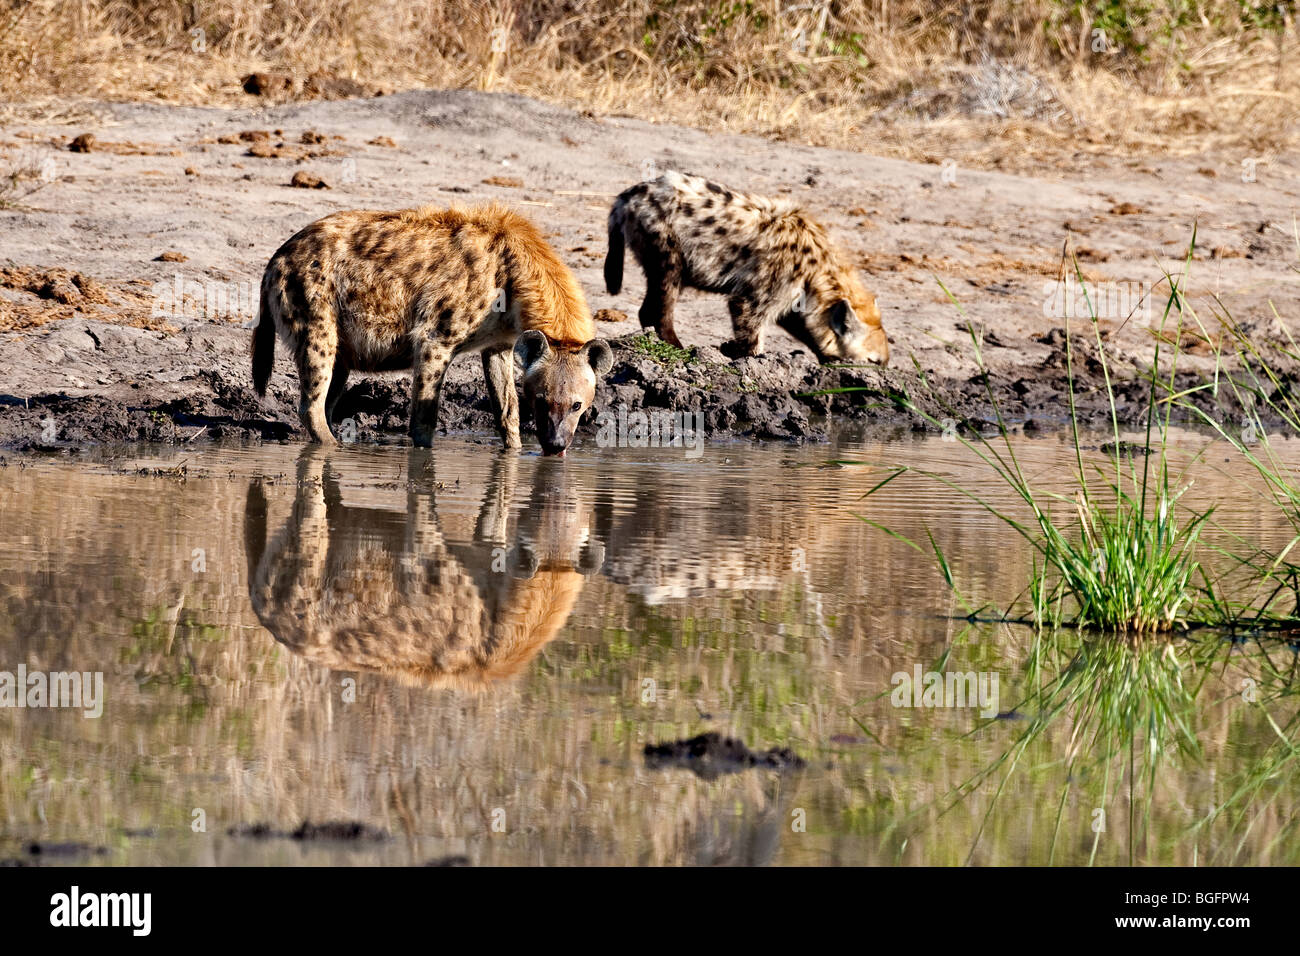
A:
841, 324
559, 385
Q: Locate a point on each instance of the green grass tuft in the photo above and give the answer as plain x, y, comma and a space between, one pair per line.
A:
1120, 553
659, 350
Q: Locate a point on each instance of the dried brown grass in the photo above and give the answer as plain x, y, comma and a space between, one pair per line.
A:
989, 82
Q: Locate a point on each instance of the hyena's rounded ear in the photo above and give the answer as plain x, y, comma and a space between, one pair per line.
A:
531, 347
844, 321
601, 357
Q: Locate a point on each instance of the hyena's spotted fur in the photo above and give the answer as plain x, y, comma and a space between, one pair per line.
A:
773, 262
382, 291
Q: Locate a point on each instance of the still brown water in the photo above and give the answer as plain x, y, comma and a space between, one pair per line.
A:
469, 651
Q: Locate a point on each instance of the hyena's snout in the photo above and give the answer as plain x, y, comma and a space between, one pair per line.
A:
857, 335
559, 385
874, 347
556, 425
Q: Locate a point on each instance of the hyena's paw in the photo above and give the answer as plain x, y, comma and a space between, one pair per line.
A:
670, 337
667, 336
736, 350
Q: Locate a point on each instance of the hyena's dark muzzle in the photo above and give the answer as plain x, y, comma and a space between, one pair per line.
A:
556, 426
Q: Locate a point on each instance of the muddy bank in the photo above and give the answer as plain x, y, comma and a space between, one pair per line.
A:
129, 279
781, 397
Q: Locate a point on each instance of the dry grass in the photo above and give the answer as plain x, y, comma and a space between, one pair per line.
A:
989, 82
20, 178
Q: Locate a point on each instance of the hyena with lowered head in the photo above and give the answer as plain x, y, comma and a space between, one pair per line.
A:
773, 262
383, 291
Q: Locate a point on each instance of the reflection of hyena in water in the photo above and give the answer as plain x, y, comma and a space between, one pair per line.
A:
773, 262
353, 588
382, 291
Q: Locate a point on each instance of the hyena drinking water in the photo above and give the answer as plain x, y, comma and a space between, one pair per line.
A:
773, 262
382, 291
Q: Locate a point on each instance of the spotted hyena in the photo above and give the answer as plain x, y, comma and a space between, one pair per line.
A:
772, 261
383, 291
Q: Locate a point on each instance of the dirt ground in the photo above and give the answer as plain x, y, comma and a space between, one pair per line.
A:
128, 281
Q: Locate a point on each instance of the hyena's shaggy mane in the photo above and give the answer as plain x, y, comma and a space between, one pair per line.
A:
796, 238
808, 249
550, 298
805, 247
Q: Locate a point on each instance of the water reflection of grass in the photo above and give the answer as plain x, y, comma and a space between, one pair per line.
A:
1254, 791
160, 651
1130, 705
1106, 720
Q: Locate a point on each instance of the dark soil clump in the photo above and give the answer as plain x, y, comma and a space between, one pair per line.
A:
344, 830
711, 755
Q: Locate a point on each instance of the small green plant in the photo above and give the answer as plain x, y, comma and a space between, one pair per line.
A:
659, 350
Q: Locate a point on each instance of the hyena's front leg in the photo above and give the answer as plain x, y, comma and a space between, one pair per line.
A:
499, 373
494, 512
431, 361
747, 328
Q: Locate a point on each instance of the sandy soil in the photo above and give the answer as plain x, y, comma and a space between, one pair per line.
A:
169, 197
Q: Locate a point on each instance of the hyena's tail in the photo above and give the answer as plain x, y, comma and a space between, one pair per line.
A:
263, 345
614, 258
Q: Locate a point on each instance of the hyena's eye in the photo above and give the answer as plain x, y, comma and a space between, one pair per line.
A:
577, 407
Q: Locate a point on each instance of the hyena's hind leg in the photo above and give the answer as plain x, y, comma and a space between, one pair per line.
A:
338, 385
303, 553
661, 261
499, 373
315, 376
